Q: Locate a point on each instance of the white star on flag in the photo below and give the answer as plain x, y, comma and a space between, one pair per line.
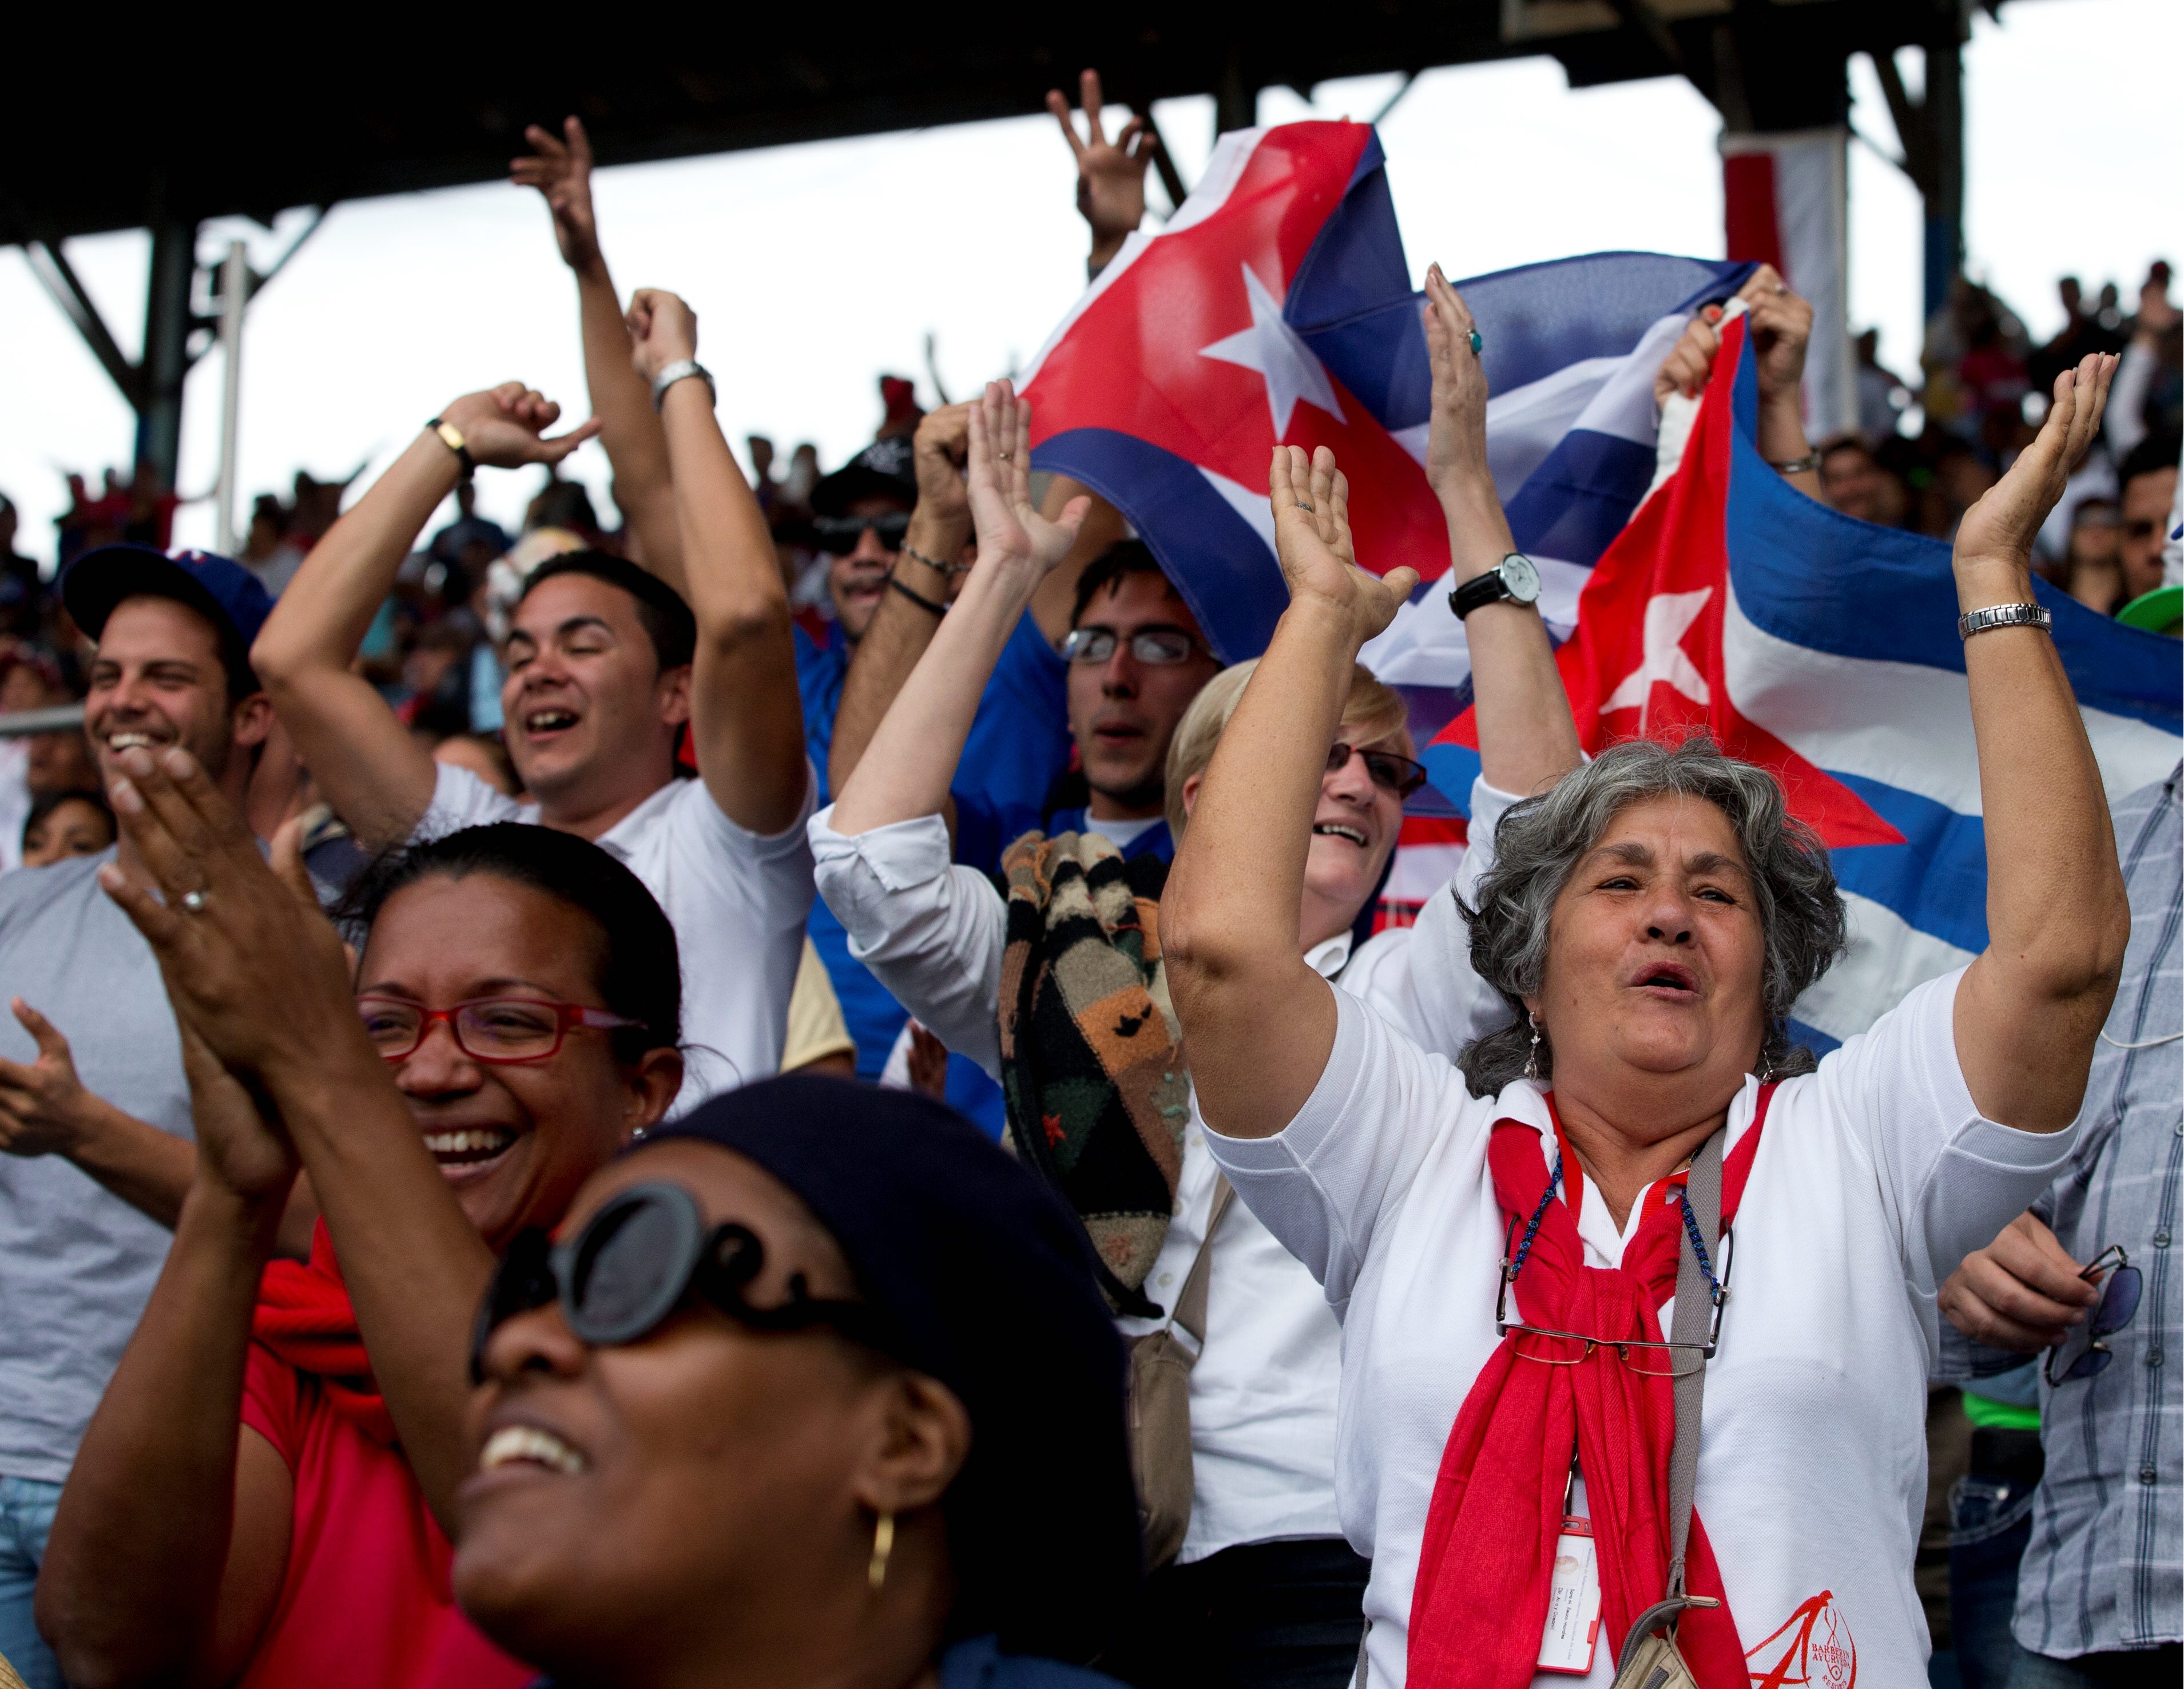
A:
1668, 617
1271, 347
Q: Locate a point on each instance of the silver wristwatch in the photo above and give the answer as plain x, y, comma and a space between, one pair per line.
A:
2002, 615
1514, 578
675, 372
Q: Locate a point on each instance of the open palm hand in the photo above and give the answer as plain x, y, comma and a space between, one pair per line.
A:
2000, 526
1311, 500
1011, 533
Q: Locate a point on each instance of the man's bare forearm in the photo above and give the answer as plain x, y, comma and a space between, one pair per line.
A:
152, 1170
629, 428
896, 638
322, 617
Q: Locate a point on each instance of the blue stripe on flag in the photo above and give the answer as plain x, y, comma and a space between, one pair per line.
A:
1575, 504
1216, 559
1830, 582
1937, 879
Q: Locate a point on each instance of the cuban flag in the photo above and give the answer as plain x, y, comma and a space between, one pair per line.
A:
1825, 649
1276, 306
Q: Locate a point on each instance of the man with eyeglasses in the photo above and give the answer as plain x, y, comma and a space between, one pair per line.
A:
2085, 1282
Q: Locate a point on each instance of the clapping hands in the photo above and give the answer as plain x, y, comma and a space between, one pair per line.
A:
1311, 500
1011, 533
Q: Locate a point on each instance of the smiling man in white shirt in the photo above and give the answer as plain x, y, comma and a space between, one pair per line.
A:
609, 669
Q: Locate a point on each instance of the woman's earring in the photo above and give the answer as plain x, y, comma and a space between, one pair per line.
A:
1532, 1064
883, 1546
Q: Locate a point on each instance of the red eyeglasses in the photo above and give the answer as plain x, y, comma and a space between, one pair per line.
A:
486, 1028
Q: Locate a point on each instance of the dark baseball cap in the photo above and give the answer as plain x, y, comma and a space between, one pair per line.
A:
882, 470
218, 589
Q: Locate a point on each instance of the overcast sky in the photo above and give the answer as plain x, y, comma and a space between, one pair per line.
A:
814, 267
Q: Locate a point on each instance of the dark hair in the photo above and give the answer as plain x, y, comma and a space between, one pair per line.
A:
667, 619
1542, 840
640, 968
562, 504
1110, 569
2158, 451
42, 809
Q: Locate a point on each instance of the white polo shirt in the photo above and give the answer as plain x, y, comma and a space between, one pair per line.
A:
1263, 1394
1874, 1178
737, 900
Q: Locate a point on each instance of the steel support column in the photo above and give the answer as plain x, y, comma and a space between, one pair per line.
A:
167, 324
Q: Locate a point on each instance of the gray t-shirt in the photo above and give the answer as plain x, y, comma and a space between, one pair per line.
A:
77, 1263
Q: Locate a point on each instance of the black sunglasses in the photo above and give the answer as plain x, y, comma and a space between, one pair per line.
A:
2117, 1307
636, 1261
1390, 772
838, 535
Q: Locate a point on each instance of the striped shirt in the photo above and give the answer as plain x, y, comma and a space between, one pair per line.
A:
2102, 1570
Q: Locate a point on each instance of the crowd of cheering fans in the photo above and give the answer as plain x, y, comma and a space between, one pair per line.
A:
511, 1030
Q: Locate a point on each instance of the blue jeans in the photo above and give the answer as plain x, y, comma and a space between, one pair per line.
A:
1990, 1522
26, 1520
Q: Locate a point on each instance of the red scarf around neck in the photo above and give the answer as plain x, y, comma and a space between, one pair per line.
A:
303, 1316
1480, 1601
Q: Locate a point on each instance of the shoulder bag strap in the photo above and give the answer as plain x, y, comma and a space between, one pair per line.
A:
1190, 1306
1694, 1311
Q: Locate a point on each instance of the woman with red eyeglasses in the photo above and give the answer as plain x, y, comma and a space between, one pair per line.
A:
264, 1493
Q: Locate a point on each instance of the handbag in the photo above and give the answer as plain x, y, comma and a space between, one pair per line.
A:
1650, 1659
1160, 1403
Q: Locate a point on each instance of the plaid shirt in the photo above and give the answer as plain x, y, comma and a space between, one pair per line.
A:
2103, 1571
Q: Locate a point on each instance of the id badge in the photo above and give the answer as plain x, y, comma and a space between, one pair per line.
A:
1573, 1629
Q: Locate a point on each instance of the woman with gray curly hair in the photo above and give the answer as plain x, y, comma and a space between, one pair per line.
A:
1505, 1431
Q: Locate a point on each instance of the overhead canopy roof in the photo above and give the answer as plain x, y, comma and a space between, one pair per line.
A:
135, 136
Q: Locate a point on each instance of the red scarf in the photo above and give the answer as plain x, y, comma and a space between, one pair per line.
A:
303, 1316
1480, 1601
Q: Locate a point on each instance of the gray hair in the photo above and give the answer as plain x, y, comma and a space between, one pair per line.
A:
1542, 840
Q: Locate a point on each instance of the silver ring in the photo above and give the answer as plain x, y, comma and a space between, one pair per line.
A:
1477, 342
1301, 505
1781, 288
194, 901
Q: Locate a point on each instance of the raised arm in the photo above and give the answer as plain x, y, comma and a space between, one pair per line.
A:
2058, 919
260, 975
172, 1536
375, 774
1259, 1022
745, 718
929, 565
907, 769
1527, 740
1780, 325
1111, 174
621, 399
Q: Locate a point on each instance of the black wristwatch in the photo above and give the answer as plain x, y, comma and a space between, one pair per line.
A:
1514, 578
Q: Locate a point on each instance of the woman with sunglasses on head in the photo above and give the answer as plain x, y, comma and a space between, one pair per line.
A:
262, 1495
1506, 1236
1237, 1461
813, 1386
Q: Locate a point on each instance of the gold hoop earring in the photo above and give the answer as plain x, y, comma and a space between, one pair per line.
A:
883, 1546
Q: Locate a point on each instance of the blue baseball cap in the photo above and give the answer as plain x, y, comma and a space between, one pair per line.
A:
218, 589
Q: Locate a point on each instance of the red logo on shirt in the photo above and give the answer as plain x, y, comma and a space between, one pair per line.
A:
1813, 1647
